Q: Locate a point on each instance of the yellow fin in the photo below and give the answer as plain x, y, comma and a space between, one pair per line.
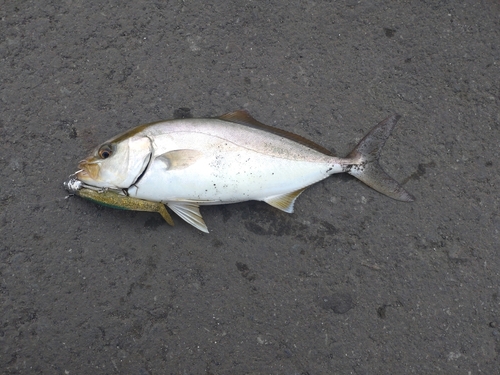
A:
180, 159
190, 213
284, 202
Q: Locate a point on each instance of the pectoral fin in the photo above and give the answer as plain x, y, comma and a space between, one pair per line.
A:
284, 202
180, 159
190, 213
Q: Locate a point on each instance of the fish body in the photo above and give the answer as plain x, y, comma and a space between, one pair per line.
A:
186, 163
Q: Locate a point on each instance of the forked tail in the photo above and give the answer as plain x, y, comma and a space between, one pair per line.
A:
366, 167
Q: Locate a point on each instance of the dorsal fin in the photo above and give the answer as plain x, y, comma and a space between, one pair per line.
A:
242, 117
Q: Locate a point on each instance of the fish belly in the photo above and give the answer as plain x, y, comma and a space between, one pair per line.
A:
230, 175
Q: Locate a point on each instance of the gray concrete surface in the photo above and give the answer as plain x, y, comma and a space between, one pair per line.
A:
351, 283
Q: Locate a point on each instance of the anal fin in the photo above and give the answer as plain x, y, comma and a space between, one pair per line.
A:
284, 202
190, 213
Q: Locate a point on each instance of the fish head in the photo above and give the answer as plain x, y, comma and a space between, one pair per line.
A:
117, 163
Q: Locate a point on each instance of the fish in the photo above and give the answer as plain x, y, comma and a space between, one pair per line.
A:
191, 162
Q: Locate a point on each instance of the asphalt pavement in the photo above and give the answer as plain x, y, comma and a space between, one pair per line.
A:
351, 283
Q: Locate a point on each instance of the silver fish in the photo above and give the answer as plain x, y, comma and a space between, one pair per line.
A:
187, 163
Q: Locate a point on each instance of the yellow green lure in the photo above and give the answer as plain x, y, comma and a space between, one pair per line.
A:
113, 199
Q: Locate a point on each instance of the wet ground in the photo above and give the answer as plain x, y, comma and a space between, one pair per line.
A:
351, 283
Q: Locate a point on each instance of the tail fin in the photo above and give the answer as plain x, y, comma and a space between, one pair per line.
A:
366, 167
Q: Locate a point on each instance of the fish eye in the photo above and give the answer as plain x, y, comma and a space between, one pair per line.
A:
105, 151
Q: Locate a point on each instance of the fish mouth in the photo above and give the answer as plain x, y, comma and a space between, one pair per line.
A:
75, 183
88, 170
82, 179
